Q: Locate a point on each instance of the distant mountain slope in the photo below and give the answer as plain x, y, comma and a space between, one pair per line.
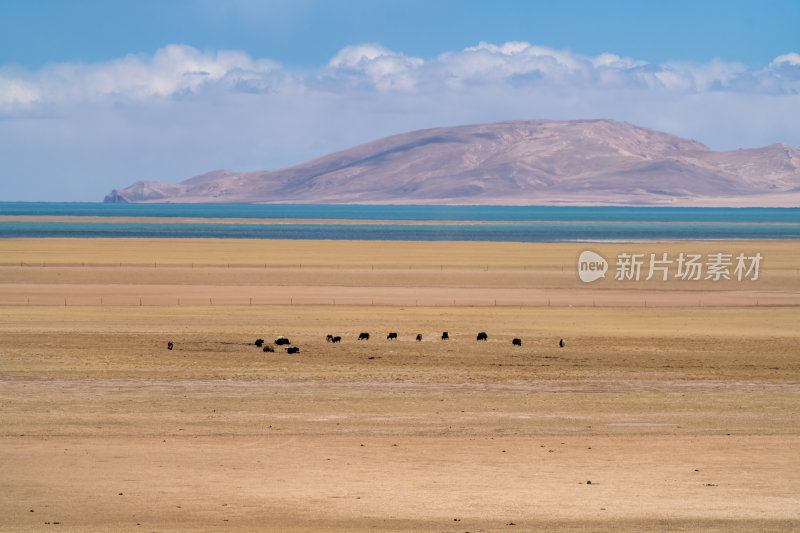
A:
589, 162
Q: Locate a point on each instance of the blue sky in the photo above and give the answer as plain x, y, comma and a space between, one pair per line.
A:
96, 95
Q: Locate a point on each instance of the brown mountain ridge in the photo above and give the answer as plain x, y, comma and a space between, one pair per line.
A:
523, 162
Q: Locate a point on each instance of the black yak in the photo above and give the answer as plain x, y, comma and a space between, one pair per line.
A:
516, 342
363, 337
268, 348
259, 342
482, 336
281, 340
292, 349
391, 336
169, 345
419, 337
337, 338
445, 336
561, 343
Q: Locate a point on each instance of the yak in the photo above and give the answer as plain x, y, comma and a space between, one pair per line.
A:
516, 342
259, 342
281, 340
391, 336
363, 337
169, 345
419, 337
445, 336
337, 338
292, 349
482, 336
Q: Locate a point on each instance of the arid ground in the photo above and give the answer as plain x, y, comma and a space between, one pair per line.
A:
672, 406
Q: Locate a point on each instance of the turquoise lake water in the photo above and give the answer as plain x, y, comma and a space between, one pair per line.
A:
487, 223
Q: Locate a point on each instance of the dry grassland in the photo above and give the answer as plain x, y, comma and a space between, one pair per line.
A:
682, 417
243, 272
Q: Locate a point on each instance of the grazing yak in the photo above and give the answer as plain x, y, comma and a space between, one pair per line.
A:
281, 340
561, 343
337, 338
419, 337
169, 345
259, 342
391, 336
482, 336
445, 336
516, 342
329, 338
268, 348
363, 337
292, 349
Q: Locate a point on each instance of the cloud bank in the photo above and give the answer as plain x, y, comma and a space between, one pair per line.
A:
74, 131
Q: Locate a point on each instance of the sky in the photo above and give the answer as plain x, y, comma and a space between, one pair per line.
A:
96, 95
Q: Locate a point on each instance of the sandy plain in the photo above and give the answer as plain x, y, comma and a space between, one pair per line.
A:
679, 401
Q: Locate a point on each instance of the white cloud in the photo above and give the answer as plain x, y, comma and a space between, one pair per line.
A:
172, 71
792, 59
374, 65
181, 111
17, 92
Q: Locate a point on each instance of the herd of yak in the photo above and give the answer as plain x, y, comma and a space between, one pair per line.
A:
281, 341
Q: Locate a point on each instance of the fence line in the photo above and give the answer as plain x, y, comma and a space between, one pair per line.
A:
198, 301
298, 266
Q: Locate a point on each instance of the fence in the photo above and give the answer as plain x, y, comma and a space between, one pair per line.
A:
555, 301
299, 266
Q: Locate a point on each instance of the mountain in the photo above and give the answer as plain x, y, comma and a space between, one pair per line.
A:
525, 162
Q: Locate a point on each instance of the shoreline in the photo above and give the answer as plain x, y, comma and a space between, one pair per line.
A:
348, 222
